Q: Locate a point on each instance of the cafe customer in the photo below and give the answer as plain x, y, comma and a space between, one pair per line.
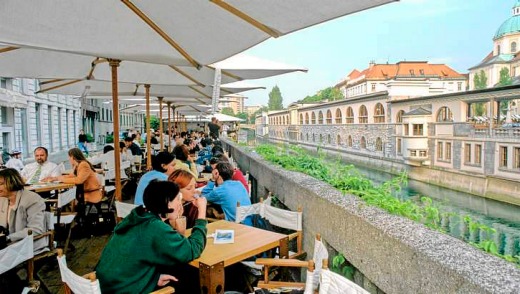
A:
143, 246
20, 210
222, 190
163, 164
40, 169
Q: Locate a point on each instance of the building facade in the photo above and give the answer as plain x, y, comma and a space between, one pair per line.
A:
30, 119
233, 101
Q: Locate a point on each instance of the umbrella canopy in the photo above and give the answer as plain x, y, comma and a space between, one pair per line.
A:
104, 88
173, 32
225, 117
35, 63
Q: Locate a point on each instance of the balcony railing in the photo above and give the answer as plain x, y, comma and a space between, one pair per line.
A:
512, 133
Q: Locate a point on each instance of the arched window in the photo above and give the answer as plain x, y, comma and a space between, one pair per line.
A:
301, 118
498, 50
313, 118
338, 139
349, 141
301, 137
321, 138
313, 138
287, 119
379, 113
363, 143
329, 117
363, 114
399, 117
350, 115
307, 139
284, 121
320, 118
307, 119
338, 116
379, 145
329, 139
513, 47
444, 114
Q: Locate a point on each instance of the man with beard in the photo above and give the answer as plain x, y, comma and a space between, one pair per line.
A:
40, 169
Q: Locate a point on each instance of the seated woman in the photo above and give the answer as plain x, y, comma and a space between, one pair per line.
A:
186, 182
183, 160
20, 209
83, 174
163, 165
144, 245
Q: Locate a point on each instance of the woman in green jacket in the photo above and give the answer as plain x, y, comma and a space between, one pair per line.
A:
144, 243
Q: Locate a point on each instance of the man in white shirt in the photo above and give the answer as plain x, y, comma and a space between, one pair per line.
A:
40, 169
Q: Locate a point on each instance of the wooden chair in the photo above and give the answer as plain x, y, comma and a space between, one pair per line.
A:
123, 209
313, 273
87, 284
17, 253
49, 251
332, 283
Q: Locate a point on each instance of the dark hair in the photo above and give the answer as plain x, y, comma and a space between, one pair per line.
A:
161, 158
157, 195
79, 157
225, 170
108, 148
42, 148
187, 141
217, 149
128, 139
122, 145
13, 179
181, 152
218, 157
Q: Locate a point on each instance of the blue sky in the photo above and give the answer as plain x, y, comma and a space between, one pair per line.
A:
456, 32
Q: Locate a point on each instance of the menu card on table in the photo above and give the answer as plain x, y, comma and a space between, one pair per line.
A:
224, 237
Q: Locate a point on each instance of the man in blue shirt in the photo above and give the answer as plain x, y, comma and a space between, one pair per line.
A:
162, 165
226, 192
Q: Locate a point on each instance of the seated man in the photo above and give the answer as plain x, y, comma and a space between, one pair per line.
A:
15, 161
41, 168
222, 190
136, 150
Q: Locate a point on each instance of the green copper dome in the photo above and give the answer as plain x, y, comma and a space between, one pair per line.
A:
512, 25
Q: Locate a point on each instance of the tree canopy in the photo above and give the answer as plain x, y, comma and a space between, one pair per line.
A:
505, 77
275, 99
330, 94
228, 111
480, 80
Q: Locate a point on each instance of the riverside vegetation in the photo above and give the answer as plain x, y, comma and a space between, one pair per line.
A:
349, 181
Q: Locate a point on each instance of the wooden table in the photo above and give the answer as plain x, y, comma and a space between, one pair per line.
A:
249, 242
47, 187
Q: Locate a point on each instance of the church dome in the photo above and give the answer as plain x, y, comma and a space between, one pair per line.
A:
512, 25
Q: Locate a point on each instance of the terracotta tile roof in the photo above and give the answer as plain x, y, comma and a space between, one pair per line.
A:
407, 69
354, 74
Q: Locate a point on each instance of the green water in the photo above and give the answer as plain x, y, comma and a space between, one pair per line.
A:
503, 217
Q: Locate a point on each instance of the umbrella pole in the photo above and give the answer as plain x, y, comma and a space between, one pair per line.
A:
114, 64
148, 149
161, 123
169, 126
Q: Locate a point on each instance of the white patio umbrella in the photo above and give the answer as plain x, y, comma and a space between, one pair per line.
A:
36, 63
173, 32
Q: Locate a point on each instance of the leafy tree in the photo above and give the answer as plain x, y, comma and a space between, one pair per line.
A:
480, 80
154, 122
330, 94
275, 99
505, 77
228, 111
243, 115
478, 109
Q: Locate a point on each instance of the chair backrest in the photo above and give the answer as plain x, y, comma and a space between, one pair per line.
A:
74, 282
124, 209
244, 211
283, 218
66, 197
320, 254
16, 253
332, 283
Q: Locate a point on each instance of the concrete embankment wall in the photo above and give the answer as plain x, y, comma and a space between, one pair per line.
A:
396, 254
491, 187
